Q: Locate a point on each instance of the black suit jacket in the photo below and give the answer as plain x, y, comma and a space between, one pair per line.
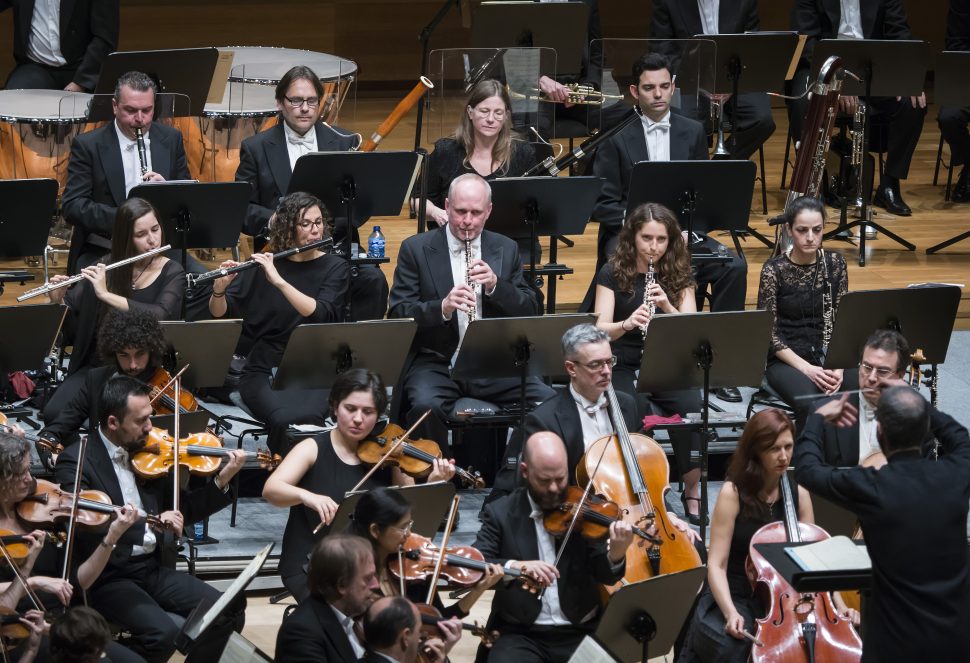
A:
82, 411
423, 278
819, 19
312, 634
913, 513
88, 32
96, 179
618, 155
98, 474
264, 162
676, 19
507, 532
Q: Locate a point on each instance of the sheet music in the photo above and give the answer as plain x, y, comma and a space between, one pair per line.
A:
839, 553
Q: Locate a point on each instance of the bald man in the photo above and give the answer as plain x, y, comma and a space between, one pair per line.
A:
392, 629
512, 534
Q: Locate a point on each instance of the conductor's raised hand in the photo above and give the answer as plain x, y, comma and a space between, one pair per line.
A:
839, 412
459, 298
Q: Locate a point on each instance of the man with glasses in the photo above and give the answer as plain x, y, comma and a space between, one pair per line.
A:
266, 163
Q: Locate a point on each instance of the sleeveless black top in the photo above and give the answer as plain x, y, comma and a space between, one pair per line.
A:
744, 529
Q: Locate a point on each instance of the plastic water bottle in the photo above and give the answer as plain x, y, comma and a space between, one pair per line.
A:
375, 244
199, 531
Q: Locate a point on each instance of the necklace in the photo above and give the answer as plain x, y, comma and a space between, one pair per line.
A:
134, 279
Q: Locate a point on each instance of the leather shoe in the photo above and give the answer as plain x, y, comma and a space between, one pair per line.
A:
728, 394
961, 191
888, 197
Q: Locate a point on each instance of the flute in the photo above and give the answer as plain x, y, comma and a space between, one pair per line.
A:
193, 280
47, 287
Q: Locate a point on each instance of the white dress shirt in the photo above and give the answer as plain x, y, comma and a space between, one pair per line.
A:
297, 145
708, 9
657, 135
44, 44
347, 624
129, 157
850, 20
595, 425
551, 613
459, 267
129, 490
868, 441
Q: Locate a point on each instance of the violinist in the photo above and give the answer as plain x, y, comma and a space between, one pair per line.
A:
272, 300
319, 471
139, 584
918, 611
392, 630
549, 628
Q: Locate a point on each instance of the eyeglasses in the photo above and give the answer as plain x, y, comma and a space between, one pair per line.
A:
406, 529
881, 371
498, 113
305, 225
597, 364
297, 102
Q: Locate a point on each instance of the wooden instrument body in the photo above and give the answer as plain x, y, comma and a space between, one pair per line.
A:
49, 504
163, 392
421, 556
158, 456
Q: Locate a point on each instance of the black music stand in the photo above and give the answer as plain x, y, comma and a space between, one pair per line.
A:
429, 505
520, 348
316, 354
206, 346
951, 87
644, 617
887, 68
530, 207
707, 195
187, 71
706, 351
27, 351
26, 215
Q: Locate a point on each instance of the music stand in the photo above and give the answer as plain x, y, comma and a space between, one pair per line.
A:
429, 505
646, 616
707, 195
189, 424
707, 351
888, 68
951, 87
187, 71
316, 354
520, 348
206, 346
26, 215
27, 351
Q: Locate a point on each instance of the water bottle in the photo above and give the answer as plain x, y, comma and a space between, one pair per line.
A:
375, 244
199, 531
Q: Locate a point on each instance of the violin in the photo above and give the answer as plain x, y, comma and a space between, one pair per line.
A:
17, 543
163, 394
47, 445
49, 505
464, 566
414, 457
430, 616
200, 453
12, 630
596, 516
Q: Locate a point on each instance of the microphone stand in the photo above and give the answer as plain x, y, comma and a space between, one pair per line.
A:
425, 38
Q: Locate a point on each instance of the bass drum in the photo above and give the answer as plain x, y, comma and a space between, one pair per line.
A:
248, 106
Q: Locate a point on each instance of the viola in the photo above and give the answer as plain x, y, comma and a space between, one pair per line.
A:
414, 457
49, 505
16, 544
430, 616
12, 630
49, 446
163, 394
596, 516
200, 453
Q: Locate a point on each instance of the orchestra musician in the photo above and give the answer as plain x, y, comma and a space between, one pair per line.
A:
272, 300
81, 635
902, 118
917, 611
953, 120
61, 45
438, 285
155, 285
651, 234
139, 584
512, 534
392, 629
342, 584
802, 289
266, 163
682, 20
320, 470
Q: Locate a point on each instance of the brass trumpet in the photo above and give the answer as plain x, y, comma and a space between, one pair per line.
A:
578, 94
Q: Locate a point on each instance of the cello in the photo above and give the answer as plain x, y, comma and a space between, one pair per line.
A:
633, 472
797, 626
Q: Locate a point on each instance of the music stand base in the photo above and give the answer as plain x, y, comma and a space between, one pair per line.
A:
949, 242
862, 224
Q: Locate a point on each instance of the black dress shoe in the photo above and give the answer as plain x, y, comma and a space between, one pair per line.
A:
888, 197
728, 394
961, 191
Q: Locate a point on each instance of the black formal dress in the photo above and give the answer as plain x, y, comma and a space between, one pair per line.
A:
136, 592
614, 163
88, 31
508, 533
329, 476
312, 634
422, 279
918, 612
264, 163
751, 112
447, 161
793, 294
953, 119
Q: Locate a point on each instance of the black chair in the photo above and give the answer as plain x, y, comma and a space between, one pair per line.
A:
948, 166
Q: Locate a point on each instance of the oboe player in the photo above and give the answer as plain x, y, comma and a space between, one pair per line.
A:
272, 300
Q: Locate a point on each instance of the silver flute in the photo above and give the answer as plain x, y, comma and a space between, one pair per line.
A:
650, 279
142, 155
468, 277
47, 287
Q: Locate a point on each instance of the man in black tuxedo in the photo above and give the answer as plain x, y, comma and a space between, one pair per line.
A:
105, 166
672, 19
902, 118
392, 629
61, 45
954, 120
266, 163
139, 583
431, 285
918, 611
343, 582
512, 534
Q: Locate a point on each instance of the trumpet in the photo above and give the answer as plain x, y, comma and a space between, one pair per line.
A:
578, 94
47, 287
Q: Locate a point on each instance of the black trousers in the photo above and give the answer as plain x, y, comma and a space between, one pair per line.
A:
791, 384
280, 408
539, 644
139, 599
706, 640
953, 125
35, 76
752, 116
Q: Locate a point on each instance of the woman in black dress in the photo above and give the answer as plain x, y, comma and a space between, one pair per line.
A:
318, 471
651, 235
802, 289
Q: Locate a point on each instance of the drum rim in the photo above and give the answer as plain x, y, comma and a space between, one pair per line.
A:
350, 76
6, 116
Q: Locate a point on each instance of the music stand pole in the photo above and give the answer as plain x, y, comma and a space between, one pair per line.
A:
425, 38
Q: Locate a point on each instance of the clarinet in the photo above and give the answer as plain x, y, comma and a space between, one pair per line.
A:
828, 312
142, 155
651, 306
468, 277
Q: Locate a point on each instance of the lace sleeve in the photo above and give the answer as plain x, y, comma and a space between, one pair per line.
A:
768, 300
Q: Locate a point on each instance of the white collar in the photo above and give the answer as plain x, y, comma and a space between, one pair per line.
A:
648, 122
585, 402
124, 141
456, 245
289, 133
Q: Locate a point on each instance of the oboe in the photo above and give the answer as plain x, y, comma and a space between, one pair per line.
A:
193, 280
828, 312
468, 277
649, 303
142, 155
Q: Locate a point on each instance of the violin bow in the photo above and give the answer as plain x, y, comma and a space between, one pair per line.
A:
167, 385
72, 520
433, 585
397, 443
176, 478
19, 575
